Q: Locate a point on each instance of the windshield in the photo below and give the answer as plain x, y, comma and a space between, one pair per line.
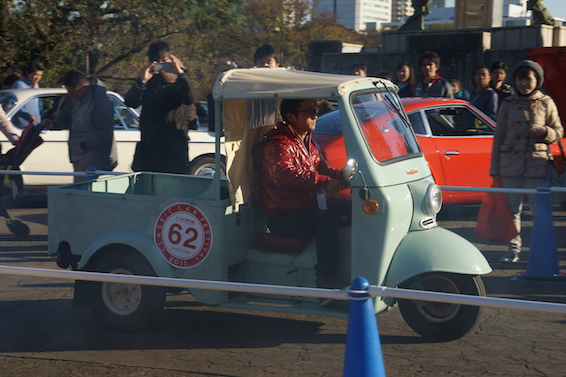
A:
386, 133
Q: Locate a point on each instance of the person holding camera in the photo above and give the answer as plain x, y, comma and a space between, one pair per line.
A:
164, 92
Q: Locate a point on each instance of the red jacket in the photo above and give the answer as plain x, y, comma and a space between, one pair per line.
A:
292, 172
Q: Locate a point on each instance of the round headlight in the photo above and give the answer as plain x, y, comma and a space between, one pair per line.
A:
433, 199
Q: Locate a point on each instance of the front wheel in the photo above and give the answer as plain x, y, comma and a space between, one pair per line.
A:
125, 308
442, 321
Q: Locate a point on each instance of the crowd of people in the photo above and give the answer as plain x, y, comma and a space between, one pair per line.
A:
527, 123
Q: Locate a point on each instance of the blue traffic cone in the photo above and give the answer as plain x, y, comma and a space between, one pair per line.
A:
543, 256
363, 349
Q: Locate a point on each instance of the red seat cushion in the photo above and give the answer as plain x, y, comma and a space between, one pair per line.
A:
269, 242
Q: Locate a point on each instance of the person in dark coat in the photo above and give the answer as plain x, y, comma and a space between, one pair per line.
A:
88, 114
485, 98
432, 85
164, 92
498, 75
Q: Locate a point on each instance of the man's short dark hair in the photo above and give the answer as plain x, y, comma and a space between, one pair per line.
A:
359, 67
290, 106
74, 79
265, 51
158, 50
34, 66
499, 65
482, 67
432, 56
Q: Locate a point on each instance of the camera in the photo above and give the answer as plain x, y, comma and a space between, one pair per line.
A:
158, 67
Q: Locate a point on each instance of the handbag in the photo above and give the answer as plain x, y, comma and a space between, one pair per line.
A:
495, 220
556, 174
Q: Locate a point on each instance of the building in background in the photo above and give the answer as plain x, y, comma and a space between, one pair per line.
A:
401, 9
514, 13
359, 15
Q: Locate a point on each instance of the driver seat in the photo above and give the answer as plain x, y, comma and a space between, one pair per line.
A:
263, 239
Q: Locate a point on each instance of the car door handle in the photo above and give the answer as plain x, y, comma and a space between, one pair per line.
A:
451, 153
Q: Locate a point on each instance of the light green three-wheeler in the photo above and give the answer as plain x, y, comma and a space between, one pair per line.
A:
208, 228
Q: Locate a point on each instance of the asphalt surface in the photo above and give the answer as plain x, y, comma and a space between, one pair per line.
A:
43, 336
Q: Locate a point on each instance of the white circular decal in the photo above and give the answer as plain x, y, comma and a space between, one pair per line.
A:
183, 235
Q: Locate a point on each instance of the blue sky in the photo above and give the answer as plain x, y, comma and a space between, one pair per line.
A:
557, 8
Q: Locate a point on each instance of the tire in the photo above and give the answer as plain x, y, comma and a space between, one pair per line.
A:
441, 321
205, 167
125, 308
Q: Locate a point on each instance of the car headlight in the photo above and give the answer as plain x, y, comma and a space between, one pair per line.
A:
433, 199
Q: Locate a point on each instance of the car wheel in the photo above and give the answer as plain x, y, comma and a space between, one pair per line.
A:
204, 166
442, 321
121, 307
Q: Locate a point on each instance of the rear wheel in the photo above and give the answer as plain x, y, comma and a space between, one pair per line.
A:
442, 321
124, 307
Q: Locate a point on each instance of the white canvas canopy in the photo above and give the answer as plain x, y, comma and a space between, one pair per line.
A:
256, 83
250, 108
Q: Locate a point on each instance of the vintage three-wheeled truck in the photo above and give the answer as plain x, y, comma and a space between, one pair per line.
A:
212, 228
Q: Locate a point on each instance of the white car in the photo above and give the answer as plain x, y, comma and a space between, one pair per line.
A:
52, 155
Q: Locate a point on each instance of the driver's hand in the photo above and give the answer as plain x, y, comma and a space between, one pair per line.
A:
333, 186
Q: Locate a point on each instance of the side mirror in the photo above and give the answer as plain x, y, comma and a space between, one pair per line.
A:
349, 170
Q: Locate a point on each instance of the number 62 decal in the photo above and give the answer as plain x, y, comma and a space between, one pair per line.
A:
183, 235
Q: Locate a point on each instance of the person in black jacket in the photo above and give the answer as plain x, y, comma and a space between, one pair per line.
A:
498, 74
432, 85
485, 98
165, 94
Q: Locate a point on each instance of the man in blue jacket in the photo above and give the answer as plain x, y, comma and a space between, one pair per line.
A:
30, 111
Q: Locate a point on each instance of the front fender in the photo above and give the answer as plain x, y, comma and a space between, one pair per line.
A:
135, 239
435, 249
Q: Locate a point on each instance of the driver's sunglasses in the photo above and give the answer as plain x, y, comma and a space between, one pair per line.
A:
310, 112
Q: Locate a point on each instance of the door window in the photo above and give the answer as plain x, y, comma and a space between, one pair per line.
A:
457, 121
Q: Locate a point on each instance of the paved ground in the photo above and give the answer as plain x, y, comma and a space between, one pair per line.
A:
43, 336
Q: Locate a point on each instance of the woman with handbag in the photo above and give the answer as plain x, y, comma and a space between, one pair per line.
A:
527, 123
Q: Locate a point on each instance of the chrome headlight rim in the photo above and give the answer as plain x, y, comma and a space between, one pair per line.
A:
433, 199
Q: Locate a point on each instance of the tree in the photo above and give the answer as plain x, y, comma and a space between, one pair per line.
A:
105, 37
287, 24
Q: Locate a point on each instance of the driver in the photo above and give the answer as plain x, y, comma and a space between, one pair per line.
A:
295, 178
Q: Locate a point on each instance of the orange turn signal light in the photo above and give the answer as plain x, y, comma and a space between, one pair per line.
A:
371, 206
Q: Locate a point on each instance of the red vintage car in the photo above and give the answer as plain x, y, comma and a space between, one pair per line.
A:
454, 137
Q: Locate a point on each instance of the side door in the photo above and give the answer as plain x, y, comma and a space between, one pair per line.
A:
459, 147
